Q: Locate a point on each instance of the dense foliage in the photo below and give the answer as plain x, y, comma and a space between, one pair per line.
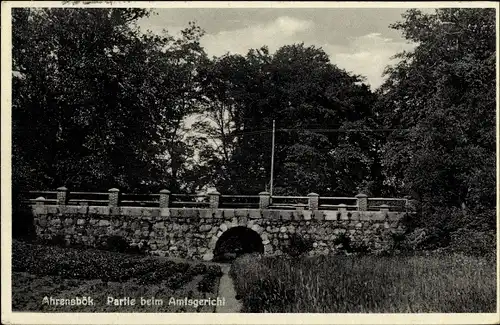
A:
88, 264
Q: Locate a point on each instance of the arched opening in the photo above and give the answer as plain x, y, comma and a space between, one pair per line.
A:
235, 242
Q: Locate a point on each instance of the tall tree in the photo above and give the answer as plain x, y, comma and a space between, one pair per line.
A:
299, 88
97, 103
443, 95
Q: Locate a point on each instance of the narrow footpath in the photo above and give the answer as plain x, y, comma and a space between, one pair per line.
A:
226, 290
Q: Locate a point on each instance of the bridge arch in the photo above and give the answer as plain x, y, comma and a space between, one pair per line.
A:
246, 237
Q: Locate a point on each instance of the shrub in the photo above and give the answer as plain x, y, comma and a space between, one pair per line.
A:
298, 246
116, 244
94, 264
209, 282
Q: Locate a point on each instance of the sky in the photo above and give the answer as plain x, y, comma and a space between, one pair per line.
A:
358, 40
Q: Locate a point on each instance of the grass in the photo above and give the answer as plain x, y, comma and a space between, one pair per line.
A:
366, 284
39, 271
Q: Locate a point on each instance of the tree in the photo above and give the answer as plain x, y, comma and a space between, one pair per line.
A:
302, 90
442, 96
97, 103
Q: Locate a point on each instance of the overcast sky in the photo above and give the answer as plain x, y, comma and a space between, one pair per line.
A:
358, 40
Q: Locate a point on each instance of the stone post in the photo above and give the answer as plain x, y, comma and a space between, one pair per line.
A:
114, 197
362, 202
264, 200
164, 198
313, 201
39, 201
213, 198
62, 195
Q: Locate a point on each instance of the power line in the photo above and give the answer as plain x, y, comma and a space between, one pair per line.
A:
318, 130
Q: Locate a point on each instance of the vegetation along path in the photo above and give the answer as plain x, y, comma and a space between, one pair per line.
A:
226, 290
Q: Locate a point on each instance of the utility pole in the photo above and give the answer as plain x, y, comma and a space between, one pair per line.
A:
272, 162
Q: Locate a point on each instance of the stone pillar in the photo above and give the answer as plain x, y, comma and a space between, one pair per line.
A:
114, 197
313, 201
342, 208
213, 198
264, 200
40, 201
164, 198
362, 202
62, 195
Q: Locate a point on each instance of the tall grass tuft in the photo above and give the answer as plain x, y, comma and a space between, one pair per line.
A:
365, 284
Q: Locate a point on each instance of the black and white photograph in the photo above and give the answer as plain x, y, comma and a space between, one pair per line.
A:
169, 158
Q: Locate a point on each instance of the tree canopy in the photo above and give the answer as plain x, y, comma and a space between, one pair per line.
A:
98, 103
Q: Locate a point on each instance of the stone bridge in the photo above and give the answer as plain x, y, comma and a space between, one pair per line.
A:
201, 232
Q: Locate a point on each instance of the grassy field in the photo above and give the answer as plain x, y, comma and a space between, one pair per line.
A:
366, 284
48, 271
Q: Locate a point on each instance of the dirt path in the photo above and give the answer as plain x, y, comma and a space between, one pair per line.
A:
226, 290
226, 286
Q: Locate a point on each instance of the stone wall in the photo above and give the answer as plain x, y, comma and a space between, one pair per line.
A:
193, 233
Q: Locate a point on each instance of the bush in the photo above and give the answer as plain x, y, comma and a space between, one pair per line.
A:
117, 244
298, 246
95, 264
473, 242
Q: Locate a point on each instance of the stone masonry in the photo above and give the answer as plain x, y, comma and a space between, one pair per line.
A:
193, 232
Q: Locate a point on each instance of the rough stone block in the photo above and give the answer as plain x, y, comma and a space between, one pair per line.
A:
394, 216
55, 222
101, 211
274, 215
354, 215
217, 214
114, 211
266, 214
377, 216
158, 225
189, 213
175, 213
228, 214
297, 215
136, 212
364, 215
40, 210
205, 213
42, 222
330, 215
208, 256
258, 229
165, 213
155, 213
205, 228
254, 214
307, 214
104, 223
241, 213
318, 215
286, 215
52, 209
